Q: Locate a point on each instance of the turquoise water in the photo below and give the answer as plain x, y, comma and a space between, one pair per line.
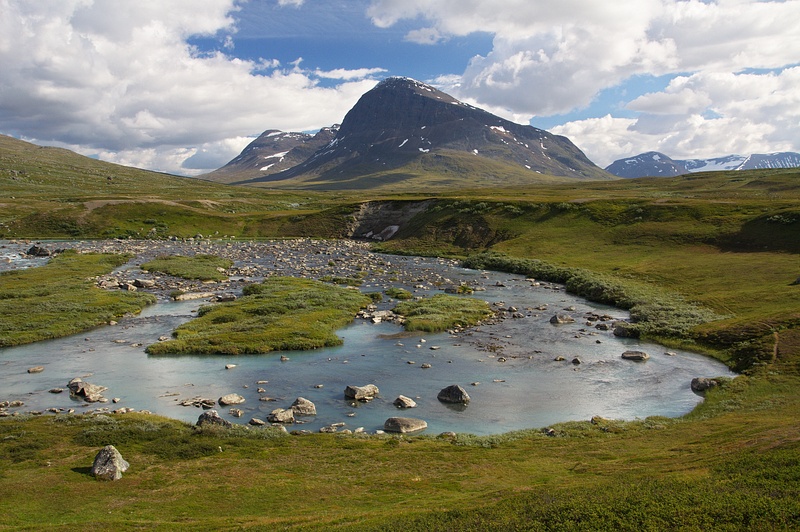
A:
528, 389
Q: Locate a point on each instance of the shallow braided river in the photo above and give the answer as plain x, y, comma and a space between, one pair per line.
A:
508, 366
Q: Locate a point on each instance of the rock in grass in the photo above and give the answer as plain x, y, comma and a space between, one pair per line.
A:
454, 394
211, 417
404, 425
701, 384
109, 464
638, 356
304, 407
361, 393
231, 399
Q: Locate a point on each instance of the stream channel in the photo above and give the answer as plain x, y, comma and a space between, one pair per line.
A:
508, 366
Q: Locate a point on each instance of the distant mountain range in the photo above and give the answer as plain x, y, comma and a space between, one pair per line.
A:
655, 164
404, 130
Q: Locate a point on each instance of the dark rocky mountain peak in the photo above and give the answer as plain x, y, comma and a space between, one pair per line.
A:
403, 123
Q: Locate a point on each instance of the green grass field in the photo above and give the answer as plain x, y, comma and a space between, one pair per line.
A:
713, 258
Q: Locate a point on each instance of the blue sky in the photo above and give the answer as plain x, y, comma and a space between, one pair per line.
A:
182, 86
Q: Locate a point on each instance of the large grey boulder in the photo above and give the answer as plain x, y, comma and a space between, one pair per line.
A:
701, 384
281, 415
404, 424
454, 394
231, 399
361, 393
211, 417
91, 393
304, 407
109, 464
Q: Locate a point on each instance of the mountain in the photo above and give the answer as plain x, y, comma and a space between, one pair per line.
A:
651, 163
272, 152
654, 164
405, 131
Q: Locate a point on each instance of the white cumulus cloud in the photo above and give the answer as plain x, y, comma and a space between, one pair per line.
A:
732, 63
119, 78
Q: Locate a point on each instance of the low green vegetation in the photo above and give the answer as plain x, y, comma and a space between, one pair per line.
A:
200, 267
442, 312
709, 260
399, 293
60, 298
279, 314
654, 312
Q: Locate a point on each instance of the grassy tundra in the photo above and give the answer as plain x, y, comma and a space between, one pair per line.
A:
708, 260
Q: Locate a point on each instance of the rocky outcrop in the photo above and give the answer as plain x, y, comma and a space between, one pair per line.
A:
404, 425
454, 394
109, 464
361, 393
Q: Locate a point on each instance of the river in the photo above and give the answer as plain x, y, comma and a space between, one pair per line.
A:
509, 367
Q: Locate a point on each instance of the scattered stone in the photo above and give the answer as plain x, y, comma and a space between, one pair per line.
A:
559, 358
199, 402
91, 393
454, 394
404, 402
425, 366
109, 464
36, 369
231, 399
56, 390
257, 422
236, 412
638, 356
577, 361
38, 251
144, 283
304, 407
361, 393
281, 415
560, 319
230, 366
190, 296
211, 417
404, 425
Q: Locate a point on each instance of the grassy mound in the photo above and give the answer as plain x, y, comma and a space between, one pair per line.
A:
200, 267
279, 314
442, 312
59, 299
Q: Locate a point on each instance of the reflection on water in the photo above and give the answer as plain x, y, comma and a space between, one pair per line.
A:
507, 368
